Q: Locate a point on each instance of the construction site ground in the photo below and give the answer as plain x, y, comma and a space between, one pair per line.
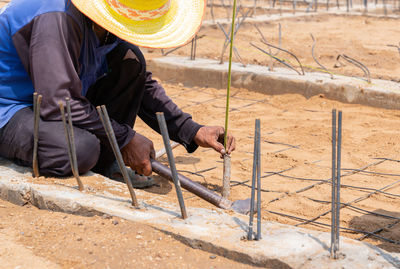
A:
33, 238
365, 39
296, 140
296, 135
296, 154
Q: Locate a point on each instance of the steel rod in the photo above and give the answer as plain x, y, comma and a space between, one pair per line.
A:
253, 186
37, 99
333, 195
338, 166
161, 152
71, 136
276, 58
358, 64
164, 132
258, 179
68, 140
192, 186
103, 114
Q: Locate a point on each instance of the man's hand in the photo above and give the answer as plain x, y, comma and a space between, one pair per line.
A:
137, 154
213, 137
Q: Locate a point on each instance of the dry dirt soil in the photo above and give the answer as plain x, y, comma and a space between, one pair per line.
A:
296, 136
364, 39
32, 238
296, 160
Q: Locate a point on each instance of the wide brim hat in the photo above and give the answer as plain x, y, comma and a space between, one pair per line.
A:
147, 23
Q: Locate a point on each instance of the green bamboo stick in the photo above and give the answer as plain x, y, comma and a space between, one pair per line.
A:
229, 72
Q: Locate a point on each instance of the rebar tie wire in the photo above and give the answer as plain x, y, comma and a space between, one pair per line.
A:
341, 228
322, 181
361, 198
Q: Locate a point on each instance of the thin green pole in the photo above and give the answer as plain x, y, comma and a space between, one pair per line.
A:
229, 72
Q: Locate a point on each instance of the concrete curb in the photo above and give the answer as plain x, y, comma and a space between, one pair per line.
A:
209, 73
215, 231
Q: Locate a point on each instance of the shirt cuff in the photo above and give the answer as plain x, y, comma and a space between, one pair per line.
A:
187, 132
128, 137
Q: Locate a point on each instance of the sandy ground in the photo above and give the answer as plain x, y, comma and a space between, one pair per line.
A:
296, 139
32, 238
296, 135
365, 39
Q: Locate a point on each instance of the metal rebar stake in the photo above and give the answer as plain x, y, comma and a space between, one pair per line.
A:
70, 144
253, 186
118, 156
164, 132
333, 195
37, 99
338, 170
258, 179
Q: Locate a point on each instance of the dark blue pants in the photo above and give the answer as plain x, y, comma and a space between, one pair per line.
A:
121, 91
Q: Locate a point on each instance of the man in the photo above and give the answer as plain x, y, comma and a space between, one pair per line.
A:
51, 47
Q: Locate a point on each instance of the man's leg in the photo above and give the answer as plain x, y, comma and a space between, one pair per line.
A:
16, 143
121, 91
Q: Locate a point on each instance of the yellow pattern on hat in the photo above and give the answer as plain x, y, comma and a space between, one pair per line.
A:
144, 5
149, 23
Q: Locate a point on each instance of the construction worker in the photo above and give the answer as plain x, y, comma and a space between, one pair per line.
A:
83, 50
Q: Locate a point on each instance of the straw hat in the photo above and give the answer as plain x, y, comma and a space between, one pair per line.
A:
147, 23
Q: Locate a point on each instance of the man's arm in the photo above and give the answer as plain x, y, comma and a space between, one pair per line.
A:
49, 48
181, 127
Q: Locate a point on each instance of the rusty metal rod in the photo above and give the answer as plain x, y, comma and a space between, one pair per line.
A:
37, 99
118, 156
315, 59
333, 195
356, 63
258, 130
191, 186
72, 146
164, 132
253, 187
338, 169
161, 152
67, 130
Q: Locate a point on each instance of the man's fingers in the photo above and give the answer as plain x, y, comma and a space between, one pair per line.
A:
217, 146
146, 168
231, 145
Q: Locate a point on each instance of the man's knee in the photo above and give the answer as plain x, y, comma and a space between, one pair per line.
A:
87, 152
53, 150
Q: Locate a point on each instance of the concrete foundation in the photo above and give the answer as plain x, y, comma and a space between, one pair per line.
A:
216, 231
209, 73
